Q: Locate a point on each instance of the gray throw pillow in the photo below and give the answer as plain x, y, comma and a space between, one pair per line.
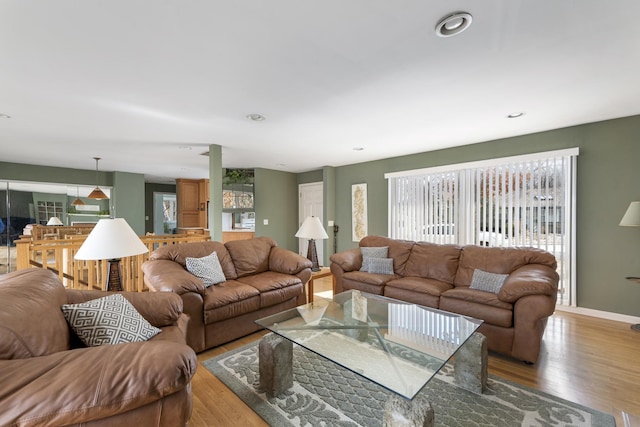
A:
489, 282
372, 252
108, 320
207, 268
381, 265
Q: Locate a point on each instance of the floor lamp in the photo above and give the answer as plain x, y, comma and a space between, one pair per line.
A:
313, 230
111, 239
631, 218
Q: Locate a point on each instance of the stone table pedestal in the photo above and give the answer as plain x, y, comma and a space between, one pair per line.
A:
400, 412
275, 364
470, 364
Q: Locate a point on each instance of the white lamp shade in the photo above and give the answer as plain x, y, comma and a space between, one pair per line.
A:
631, 218
111, 239
54, 220
312, 228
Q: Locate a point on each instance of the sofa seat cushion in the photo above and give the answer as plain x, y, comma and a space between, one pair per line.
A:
366, 282
274, 287
76, 386
478, 304
369, 278
229, 299
421, 285
417, 290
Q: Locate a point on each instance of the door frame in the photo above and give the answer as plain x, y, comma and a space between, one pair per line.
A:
317, 211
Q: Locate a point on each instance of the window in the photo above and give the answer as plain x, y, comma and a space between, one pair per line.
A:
518, 201
47, 210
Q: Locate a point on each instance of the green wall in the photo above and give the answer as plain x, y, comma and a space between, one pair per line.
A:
127, 199
128, 188
608, 178
276, 199
309, 177
35, 173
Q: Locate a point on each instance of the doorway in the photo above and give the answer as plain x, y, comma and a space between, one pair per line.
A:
310, 203
165, 213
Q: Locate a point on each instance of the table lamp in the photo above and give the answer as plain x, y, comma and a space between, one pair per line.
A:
54, 220
111, 239
312, 229
631, 217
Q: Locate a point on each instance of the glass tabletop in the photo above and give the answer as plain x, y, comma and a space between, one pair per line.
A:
395, 344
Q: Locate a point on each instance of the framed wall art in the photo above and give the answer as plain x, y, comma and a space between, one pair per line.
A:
358, 211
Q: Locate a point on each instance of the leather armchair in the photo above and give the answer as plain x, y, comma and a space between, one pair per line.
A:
49, 379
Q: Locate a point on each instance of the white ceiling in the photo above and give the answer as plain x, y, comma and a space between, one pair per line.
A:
147, 85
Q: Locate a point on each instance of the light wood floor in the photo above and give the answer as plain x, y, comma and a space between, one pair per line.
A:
586, 360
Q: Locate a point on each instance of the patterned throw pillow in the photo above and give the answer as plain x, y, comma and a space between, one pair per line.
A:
381, 265
207, 268
489, 282
108, 320
372, 252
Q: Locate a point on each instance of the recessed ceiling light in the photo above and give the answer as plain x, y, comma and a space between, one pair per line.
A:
453, 24
184, 147
256, 117
515, 115
358, 148
5, 116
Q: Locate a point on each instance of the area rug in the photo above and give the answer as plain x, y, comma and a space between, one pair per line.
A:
325, 394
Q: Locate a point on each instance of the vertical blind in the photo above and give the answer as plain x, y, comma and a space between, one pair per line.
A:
523, 201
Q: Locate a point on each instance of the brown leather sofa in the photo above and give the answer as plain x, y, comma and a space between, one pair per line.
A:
261, 279
439, 276
46, 380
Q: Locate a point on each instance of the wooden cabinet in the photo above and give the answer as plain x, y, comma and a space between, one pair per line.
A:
228, 236
192, 195
203, 202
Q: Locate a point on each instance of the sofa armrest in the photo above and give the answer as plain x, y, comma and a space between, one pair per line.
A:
286, 261
169, 276
158, 308
76, 386
349, 260
530, 279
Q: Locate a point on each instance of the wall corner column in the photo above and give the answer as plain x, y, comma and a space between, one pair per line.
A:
215, 192
329, 206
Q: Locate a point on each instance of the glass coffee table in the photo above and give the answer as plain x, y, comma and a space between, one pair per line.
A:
397, 345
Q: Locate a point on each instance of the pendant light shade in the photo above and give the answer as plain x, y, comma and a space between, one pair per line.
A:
97, 193
78, 201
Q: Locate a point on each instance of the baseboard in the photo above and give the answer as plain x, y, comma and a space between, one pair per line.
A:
600, 314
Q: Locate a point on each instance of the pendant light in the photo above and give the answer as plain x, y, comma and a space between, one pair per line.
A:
78, 201
97, 193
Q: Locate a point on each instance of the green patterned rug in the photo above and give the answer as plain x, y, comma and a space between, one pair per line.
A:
325, 394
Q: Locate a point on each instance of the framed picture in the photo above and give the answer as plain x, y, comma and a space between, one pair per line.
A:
358, 211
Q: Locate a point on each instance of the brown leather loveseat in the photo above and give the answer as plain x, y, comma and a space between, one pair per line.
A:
440, 276
260, 279
48, 380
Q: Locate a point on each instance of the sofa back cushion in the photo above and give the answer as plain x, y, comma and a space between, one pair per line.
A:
498, 260
399, 250
432, 261
31, 321
180, 251
250, 256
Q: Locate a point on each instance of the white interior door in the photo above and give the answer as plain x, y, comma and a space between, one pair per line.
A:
310, 204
